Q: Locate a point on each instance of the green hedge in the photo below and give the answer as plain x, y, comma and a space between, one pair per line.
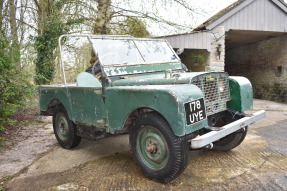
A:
14, 88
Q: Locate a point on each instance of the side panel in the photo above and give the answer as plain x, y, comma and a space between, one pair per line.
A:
241, 94
88, 105
83, 104
167, 100
49, 93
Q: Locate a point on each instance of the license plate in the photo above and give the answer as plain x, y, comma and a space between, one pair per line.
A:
194, 111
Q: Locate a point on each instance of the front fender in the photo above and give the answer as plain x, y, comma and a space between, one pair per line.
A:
241, 93
168, 100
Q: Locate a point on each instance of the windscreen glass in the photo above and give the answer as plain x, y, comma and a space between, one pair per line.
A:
155, 50
125, 51
116, 51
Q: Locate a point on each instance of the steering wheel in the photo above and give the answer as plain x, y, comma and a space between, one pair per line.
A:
96, 68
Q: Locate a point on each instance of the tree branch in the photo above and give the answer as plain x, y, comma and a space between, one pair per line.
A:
147, 15
38, 5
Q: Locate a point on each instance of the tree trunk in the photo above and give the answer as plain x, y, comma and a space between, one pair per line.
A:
13, 23
102, 22
103, 17
14, 32
1, 16
42, 14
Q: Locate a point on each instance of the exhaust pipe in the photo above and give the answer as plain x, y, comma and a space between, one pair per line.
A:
207, 147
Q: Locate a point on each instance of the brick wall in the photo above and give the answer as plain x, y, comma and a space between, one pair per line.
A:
201, 60
216, 62
264, 64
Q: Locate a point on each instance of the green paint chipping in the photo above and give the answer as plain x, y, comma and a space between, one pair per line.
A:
241, 94
168, 100
141, 68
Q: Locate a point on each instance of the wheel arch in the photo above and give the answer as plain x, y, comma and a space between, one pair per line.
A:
135, 114
53, 104
168, 101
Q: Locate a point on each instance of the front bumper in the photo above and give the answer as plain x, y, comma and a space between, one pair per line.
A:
206, 139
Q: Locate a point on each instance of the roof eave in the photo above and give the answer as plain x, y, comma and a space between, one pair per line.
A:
228, 14
280, 4
231, 10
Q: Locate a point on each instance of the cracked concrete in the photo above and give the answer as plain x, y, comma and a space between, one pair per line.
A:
29, 144
259, 163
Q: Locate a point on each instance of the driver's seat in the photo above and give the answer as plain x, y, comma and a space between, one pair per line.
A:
85, 79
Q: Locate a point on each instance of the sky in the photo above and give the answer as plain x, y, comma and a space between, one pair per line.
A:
211, 7
204, 8
169, 10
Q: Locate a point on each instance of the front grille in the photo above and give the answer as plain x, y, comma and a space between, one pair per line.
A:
215, 87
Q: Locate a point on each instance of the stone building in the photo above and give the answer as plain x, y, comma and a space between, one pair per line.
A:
248, 38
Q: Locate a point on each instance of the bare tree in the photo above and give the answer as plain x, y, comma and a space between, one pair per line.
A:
45, 18
117, 11
14, 31
1, 15
103, 17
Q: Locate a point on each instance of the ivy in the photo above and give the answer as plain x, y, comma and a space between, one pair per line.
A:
136, 27
45, 45
273, 92
132, 26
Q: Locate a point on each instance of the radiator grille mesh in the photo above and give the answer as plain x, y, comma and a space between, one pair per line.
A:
215, 87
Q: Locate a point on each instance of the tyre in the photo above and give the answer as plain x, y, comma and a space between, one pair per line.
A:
231, 141
64, 129
158, 153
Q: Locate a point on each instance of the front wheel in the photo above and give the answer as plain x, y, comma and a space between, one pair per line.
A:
231, 141
64, 129
159, 154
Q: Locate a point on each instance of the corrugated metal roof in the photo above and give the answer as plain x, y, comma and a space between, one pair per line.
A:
195, 40
217, 15
231, 10
244, 16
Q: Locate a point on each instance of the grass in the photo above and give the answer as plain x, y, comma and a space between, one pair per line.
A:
27, 123
3, 180
6, 178
2, 140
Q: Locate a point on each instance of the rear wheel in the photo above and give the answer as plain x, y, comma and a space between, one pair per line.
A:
159, 154
64, 129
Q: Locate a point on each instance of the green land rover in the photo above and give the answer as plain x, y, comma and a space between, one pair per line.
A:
140, 87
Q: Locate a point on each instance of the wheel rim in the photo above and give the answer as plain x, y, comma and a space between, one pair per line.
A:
152, 148
62, 127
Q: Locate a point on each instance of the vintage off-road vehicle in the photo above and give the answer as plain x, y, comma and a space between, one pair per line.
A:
144, 90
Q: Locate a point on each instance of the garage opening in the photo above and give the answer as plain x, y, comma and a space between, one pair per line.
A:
262, 58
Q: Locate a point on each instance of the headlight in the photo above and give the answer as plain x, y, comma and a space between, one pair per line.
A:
221, 86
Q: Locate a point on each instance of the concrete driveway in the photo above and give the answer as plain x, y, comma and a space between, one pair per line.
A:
259, 163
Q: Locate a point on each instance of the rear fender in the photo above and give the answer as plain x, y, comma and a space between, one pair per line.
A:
50, 97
